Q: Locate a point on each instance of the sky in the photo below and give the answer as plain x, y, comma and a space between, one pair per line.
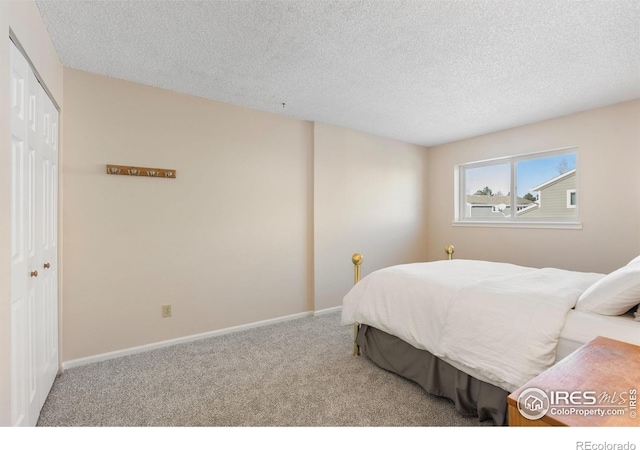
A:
530, 173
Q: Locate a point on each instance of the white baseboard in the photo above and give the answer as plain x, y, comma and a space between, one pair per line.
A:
321, 312
194, 337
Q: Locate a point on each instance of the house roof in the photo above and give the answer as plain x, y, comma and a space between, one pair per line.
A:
529, 208
553, 181
494, 200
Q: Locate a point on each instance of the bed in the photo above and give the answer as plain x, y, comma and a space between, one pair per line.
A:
474, 331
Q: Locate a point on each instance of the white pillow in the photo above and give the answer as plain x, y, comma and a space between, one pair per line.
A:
613, 295
634, 260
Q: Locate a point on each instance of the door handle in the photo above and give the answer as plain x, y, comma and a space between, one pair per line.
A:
34, 273
47, 265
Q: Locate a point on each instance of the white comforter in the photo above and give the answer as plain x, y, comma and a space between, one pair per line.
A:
500, 320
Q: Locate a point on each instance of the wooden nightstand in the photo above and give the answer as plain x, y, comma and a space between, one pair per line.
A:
603, 375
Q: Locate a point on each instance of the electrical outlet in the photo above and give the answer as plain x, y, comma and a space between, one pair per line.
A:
166, 311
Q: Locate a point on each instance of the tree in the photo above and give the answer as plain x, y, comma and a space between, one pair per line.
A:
530, 197
486, 191
563, 166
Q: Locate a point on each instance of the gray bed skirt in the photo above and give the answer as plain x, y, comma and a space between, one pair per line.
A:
471, 396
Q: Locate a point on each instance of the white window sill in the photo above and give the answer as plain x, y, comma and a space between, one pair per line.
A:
519, 224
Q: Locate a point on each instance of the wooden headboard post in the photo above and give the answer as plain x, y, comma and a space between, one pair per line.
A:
356, 259
449, 249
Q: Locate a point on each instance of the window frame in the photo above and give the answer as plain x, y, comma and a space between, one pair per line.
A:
514, 221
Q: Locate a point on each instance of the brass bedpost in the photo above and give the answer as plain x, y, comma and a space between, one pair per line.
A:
356, 259
449, 249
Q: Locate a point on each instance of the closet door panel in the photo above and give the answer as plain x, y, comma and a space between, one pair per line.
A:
22, 360
48, 347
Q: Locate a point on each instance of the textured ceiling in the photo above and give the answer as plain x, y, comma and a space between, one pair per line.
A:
426, 72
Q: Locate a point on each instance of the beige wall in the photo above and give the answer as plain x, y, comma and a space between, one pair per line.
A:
608, 193
231, 240
368, 198
228, 242
24, 20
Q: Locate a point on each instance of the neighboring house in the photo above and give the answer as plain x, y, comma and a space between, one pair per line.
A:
556, 197
493, 205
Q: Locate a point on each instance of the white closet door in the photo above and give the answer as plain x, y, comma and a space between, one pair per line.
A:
34, 317
24, 395
47, 307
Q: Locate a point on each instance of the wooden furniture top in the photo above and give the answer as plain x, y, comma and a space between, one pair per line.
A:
603, 368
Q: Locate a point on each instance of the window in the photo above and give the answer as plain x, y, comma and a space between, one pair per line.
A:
525, 189
571, 198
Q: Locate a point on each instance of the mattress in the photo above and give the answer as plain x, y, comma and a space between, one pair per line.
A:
580, 327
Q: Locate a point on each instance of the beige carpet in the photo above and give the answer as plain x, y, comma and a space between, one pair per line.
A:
296, 373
